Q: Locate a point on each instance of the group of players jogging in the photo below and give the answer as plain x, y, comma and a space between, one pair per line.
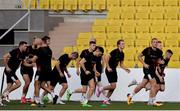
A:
90, 66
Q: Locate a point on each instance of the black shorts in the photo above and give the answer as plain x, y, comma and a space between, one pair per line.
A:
149, 73
10, 76
55, 78
27, 71
86, 78
111, 76
44, 75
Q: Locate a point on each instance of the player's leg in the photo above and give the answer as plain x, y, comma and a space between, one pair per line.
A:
91, 90
25, 87
136, 90
37, 88
17, 83
61, 93
83, 89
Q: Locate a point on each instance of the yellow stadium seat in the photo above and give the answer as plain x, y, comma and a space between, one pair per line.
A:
171, 29
100, 22
33, 4
128, 9
127, 29
82, 42
53, 63
171, 13
129, 64
129, 57
127, 2
174, 64
110, 48
86, 35
143, 36
85, 5
157, 29
175, 49
116, 9
129, 22
112, 3
138, 64
159, 36
141, 2
113, 29
131, 36
57, 5
158, 22
74, 49
68, 49
142, 29
159, 9
130, 50
139, 50
129, 42
175, 57
172, 43
100, 42
143, 9
115, 22
99, 35
142, 15
171, 2
99, 5
44, 4
113, 15
114, 36
70, 5
173, 36
111, 42
173, 23
156, 2
143, 22
81, 48
98, 29
127, 15
142, 43
156, 15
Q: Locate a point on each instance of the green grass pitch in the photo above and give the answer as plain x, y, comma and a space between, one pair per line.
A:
16, 105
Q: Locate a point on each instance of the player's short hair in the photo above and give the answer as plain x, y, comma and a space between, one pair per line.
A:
159, 41
45, 38
92, 42
170, 51
75, 54
119, 41
99, 48
22, 43
153, 39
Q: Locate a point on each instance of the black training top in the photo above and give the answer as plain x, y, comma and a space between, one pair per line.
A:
44, 55
84, 53
116, 57
30, 52
90, 62
162, 66
151, 55
64, 60
16, 57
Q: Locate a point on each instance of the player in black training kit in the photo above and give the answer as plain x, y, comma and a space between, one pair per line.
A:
85, 52
112, 60
27, 67
12, 61
151, 54
88, 73
58, 75
43, 73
